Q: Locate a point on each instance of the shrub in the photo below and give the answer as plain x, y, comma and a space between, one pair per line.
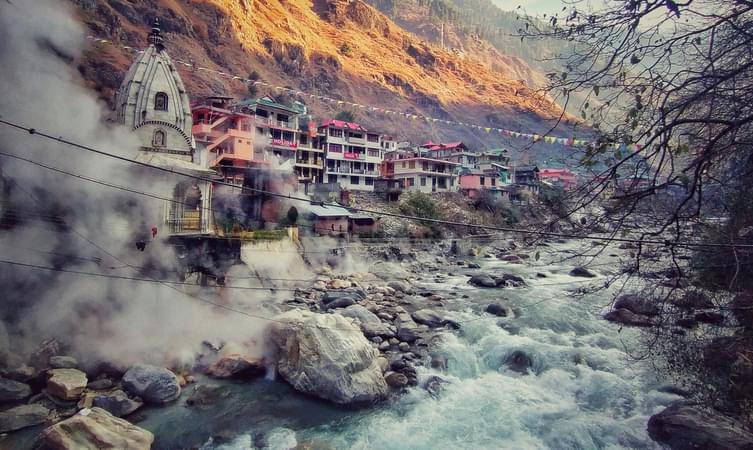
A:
345, 49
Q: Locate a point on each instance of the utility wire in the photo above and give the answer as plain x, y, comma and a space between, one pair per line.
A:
34, 131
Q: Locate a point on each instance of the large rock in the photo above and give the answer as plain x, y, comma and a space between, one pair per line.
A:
153, 384
637, 304
582, 272
380, 329
63, 362
11, 391
429, 318
117, 403
22, 416
325, 355
498, 309
94, 429
519, 361
400, 286
627, 317
67, 384
341, 302
681, 426
355, 294
483, 280
508, 279
236, 366
360, 313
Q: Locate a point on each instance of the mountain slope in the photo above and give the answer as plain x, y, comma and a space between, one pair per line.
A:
344, 49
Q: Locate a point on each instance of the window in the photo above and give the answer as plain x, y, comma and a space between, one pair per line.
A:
331, 178
336, 148
372, 137
494, 181
368, 181
159, 139
282, 117
482, 181
262, 113
411, 164
354, 180
304, 139
335, 132
160, 101
425, 166
260, 130
402, 164
411, 181
423, 181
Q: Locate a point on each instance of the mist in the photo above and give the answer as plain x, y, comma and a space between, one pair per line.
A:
89, 227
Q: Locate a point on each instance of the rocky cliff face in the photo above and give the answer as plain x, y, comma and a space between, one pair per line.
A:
341, 48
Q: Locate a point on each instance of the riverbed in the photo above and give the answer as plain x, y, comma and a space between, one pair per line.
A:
582, 391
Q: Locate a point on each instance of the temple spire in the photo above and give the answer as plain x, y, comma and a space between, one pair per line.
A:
155, 36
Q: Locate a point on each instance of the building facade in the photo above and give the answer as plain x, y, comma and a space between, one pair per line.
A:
564, 178
353, 155
420, 173
276, 124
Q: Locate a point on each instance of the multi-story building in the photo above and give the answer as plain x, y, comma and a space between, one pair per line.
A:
224, 138
456, 152
353, 155
564, 178
527, 177
418, 172
275, 122
309, 159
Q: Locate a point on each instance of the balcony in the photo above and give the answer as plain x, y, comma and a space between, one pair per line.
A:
314, 163
269, 122
343, 169
355, 140
359, 171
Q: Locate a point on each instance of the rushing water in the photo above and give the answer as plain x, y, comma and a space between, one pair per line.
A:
583, 392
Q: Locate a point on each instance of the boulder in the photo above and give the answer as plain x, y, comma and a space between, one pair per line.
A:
117, 403
509, 279
627, 317
11, 391
407, 331
483, 280
206, 395
403, 347
682, 426
380, 329
519, 361
22, 416
434, 385
331, 296
400, 286
100, 385
582, 272
93, 429
473, 265
429, 318
395, 380
360, 313
63, 362
153, 384
340, 284
67, 384
325, 355
341, 302
498, 309
236, 366
637, 304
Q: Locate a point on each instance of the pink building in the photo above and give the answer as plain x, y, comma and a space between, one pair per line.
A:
473, 183
564, 178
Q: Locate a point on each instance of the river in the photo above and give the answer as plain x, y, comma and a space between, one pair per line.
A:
583, 392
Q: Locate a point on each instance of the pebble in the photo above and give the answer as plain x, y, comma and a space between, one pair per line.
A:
403, 346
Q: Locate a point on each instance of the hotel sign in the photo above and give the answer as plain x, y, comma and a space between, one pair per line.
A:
282, 143
353, 155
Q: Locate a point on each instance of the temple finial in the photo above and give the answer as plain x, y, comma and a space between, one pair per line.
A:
155, 36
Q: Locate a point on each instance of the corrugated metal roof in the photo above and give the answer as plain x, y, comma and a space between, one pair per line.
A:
328, 211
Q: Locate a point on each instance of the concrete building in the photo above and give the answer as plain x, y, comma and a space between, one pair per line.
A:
152, 102
353, 155
455, 152
277, 124
420, 173
309, 160
564, 178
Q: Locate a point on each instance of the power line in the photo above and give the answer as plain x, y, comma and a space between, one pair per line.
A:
34, 131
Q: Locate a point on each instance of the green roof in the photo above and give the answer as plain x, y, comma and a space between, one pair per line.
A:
269, 102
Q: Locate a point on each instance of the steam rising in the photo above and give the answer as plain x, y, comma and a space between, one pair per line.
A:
118, 320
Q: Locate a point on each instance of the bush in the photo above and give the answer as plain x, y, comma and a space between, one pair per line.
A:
554, 198
501, 208
345, 49
422, 205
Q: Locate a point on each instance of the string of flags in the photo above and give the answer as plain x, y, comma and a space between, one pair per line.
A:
533, 137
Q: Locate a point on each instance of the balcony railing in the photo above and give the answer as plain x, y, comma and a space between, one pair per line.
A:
343, 169
311, 162
276, 123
